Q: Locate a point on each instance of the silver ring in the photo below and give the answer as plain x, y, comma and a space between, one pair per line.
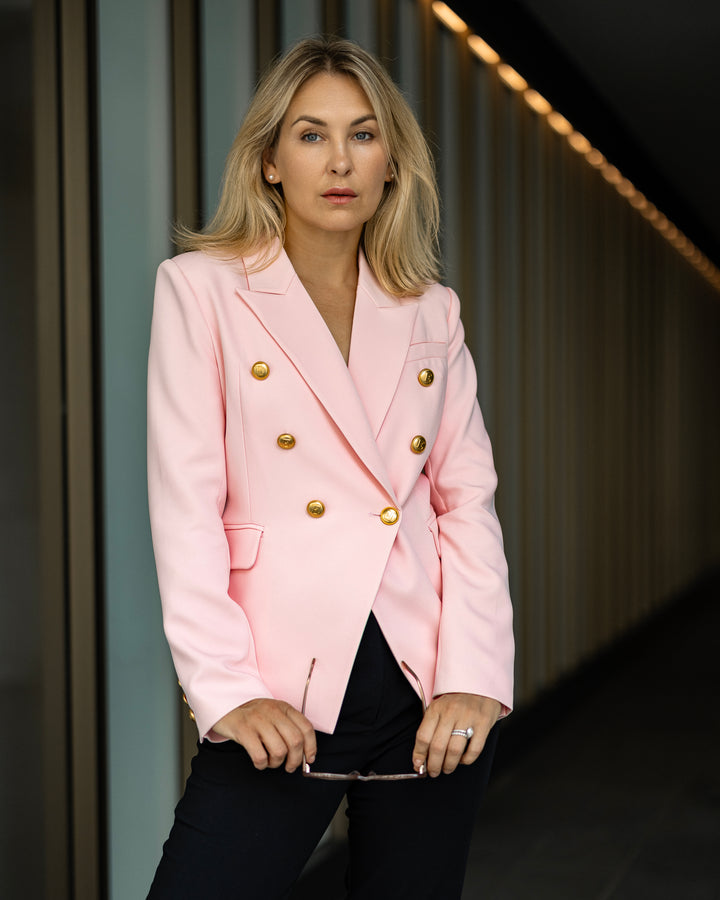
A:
467, 733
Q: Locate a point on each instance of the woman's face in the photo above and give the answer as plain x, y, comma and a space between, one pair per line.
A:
330, 158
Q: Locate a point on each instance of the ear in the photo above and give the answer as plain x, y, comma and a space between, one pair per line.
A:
389, 175
268, 165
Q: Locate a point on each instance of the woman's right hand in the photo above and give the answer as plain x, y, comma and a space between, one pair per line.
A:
272, 732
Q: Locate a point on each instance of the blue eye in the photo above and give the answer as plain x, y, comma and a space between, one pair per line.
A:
364, 136
311, 137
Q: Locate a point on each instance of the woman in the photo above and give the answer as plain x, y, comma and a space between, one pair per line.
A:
321, 497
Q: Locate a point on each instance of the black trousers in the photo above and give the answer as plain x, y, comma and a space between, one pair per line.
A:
246, 834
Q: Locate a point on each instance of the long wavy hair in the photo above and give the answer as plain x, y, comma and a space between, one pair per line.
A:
400, 241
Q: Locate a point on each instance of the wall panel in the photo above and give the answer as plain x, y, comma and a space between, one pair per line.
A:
135, 194
228, 66
299, 18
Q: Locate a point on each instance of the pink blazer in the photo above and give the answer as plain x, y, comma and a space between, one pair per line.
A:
255, 423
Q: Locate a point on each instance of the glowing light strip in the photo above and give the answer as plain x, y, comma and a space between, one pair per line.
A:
537, 102
483, 50
449, 18
511, 78
515, 81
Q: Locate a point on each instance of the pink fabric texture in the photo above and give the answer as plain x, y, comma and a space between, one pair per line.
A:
252, 586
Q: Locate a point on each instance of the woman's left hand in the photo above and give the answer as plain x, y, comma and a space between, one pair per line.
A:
435, 745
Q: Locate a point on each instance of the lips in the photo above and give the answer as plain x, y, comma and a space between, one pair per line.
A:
339, 192
339, 196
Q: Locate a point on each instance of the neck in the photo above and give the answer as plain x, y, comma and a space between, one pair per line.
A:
330, 259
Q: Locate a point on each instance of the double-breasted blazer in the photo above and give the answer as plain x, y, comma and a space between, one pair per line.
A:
291, 494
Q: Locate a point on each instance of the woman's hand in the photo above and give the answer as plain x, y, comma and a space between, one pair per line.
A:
437, 747
271, 731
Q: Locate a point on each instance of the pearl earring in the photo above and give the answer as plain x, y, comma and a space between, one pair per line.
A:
271, 178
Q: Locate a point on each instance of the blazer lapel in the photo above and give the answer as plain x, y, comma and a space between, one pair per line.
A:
382, 331
280, 302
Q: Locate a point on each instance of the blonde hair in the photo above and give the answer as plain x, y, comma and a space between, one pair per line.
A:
399, 241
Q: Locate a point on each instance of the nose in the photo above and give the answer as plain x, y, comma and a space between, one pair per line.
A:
339, 162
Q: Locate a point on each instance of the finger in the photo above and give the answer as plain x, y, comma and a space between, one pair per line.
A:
294, 740
456, 747
475, 746
309, 739
255, 749
275, 744
438, 749
422, 740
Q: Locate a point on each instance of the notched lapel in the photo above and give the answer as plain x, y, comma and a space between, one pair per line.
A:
292, 320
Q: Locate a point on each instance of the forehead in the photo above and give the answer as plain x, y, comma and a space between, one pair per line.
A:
330, 92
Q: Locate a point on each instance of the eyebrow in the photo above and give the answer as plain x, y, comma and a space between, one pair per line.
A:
313, 121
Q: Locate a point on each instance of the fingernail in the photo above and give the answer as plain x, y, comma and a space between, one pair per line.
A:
311, 758
417, 764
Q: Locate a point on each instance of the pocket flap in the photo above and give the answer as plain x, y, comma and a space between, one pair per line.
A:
427, 350
243, 543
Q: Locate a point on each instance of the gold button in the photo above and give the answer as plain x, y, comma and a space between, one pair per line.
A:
260, 370
185, 700
315, 509
286, 441
389, 515
418, 444
191, 714
426, 377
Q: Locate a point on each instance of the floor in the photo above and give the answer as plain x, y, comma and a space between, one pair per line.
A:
609, 788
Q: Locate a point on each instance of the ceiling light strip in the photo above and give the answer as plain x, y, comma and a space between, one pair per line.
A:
514, 80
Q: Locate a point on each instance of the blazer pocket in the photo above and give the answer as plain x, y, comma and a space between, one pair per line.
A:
427, 350
243, 543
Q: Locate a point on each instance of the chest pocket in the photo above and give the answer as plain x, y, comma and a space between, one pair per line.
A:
425, 371
427, 350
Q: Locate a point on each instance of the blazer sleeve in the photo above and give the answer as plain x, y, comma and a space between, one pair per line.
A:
208, 633
475, 644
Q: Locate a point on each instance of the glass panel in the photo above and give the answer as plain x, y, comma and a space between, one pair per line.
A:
228, 73
136, 211
361, 24
410, 49
300, 18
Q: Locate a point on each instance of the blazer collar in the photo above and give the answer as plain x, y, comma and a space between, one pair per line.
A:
278, 277
356, 396
274, 279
